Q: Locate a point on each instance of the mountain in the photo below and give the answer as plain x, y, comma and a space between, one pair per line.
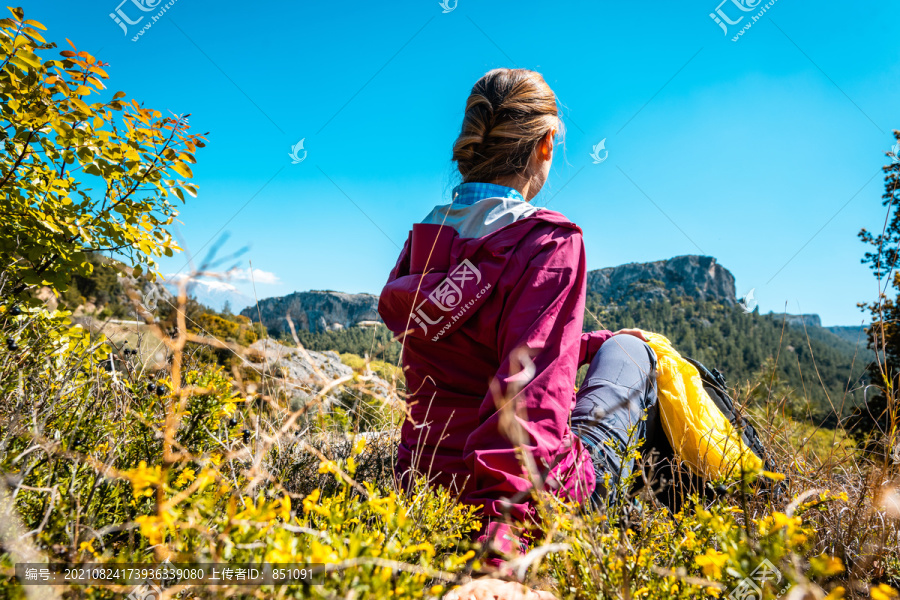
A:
698, 277
810, 320
855, 334
315, 311
214, 294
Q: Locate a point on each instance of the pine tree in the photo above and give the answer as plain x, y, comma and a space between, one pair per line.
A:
880, 414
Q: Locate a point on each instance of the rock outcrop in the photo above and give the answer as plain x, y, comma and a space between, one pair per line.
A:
699, 277
295, 364
315, 311
810, 320
308, 371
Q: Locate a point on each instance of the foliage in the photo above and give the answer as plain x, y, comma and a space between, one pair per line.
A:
80, 177
881, 414
147, 475
375, 342
387, 371
818, 374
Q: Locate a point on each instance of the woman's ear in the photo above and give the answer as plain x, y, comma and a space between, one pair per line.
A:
546, 145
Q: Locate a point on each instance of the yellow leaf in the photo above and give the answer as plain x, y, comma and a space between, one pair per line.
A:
182, 169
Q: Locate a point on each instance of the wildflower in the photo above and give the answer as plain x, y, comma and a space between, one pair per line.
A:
322, 553
421, 547
143, 478
713, 591
327, 466
359, 446
712, 562
87, 546
285, 512
836, 594
883, 592
825, 565
153, 526
185, 477
436, 590
777, 521
311, 500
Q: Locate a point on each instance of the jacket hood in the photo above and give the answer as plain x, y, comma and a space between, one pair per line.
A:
442, 277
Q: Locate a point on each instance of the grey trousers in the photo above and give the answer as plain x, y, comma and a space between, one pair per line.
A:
619, 390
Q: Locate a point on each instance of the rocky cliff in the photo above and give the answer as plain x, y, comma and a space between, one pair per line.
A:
698, 277
809, 320
695, 276
315, 311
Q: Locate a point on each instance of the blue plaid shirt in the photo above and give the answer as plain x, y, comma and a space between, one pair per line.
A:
470, 193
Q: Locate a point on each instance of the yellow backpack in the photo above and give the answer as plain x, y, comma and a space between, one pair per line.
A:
700, 434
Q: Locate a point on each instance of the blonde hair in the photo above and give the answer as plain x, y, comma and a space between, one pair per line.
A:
507, 114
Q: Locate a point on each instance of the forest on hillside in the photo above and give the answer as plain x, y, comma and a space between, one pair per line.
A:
809, 372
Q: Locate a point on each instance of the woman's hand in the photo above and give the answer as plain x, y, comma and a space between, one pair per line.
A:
635, 332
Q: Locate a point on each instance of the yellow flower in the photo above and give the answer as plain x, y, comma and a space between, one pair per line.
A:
777, 521
185, 477
436, 590
327, 466
712, 562
285, 512
836, 594
773, 476
713, 591
825, 565
311, 504
143, 478
322, 553
359, 446
88, 546
421, 547
153, 526
883, 592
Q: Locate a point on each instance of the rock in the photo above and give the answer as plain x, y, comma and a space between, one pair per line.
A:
316, 311
699, 277
496, 589
314, 370
48, 297
306, 366
810, 320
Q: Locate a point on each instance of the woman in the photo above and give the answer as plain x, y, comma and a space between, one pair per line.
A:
488, 298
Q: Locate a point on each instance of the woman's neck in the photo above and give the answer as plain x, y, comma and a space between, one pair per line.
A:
521, 183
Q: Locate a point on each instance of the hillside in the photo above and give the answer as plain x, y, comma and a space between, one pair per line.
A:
316, 311
821, 372
690, 299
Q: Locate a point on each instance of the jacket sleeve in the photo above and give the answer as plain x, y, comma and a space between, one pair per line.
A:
540, 324
590, 343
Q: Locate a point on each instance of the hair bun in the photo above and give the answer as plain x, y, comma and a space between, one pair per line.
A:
507, 113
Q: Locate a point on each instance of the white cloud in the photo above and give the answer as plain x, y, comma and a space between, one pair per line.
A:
215, 284
258, 276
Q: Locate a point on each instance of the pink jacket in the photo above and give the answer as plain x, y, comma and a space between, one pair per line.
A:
472, 285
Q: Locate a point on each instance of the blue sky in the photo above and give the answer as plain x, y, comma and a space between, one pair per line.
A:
764, 152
